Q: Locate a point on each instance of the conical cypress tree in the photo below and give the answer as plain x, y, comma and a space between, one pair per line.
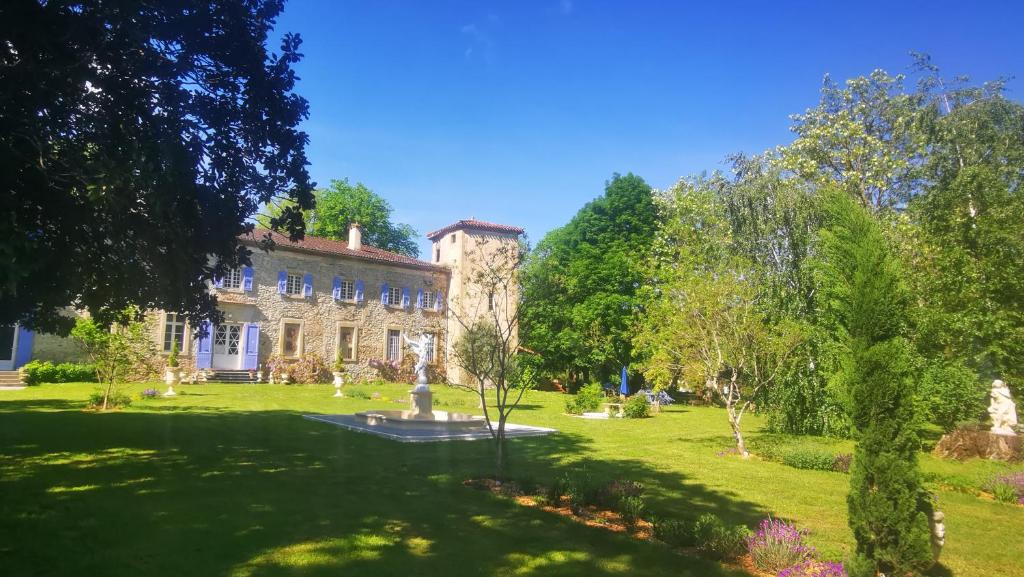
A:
865, 302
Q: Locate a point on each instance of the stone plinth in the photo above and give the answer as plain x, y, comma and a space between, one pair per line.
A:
421, 405
968, 443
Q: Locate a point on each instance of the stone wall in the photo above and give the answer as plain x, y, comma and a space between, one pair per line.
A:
57, 349
321, 316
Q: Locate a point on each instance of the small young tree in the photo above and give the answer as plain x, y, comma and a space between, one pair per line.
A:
865, 300
488, 351
117, 351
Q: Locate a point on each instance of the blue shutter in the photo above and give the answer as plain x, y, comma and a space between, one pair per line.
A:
252, 346
360, 294
405, 298
282, 282
419, 298
384, 294
307, 285
218, 282
24, 352
336, 293
438, 303
247, 279
204, 349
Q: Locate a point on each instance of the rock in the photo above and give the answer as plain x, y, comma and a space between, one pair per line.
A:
969, 443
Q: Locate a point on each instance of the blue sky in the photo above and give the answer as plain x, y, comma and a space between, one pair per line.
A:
517, 112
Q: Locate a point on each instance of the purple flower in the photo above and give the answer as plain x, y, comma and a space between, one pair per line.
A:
777, 545
813, 568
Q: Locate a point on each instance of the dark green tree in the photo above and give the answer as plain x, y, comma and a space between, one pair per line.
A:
864, 301
137, 140
580, 285
341, 204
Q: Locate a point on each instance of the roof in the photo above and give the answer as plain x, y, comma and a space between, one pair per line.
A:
320, 245
476, 225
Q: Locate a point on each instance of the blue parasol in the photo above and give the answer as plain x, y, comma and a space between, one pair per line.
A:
624, 386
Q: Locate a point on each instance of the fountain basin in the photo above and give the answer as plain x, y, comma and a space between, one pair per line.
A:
436, 420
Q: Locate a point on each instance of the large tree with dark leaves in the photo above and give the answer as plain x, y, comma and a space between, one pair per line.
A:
136, 141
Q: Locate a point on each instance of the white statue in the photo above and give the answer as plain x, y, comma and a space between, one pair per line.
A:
420, 346
1002, 409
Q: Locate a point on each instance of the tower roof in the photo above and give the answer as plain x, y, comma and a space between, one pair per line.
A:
474, 224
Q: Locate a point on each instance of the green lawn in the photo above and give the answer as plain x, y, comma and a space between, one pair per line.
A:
228, 480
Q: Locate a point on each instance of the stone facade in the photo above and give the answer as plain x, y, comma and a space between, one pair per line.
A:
319, 315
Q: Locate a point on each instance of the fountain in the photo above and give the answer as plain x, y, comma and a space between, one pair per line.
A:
421, 414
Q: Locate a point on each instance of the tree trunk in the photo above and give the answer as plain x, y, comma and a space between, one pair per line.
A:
737, 434
499, 472
106, 394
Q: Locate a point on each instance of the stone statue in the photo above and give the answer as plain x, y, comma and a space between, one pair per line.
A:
420, 346
1002, 409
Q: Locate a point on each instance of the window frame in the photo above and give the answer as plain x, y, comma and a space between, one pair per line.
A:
232, 275
429, 300
300, 342
392, 291
340, 326
432, 352
351, 284
387, 339
299, 284
169, 323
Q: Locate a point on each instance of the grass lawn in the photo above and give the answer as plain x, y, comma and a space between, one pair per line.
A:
228, 480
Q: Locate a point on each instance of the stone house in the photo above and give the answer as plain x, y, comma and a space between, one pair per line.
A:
322, 296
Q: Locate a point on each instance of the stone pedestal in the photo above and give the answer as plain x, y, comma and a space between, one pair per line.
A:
421, 404
968, 443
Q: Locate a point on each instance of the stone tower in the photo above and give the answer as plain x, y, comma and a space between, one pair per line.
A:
465, 247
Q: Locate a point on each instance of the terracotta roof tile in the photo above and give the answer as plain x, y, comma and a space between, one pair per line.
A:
320, 245
474, 224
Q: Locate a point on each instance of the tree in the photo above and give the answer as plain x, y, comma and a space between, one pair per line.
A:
580, 285
136, 141
342, 204
865, 302
701, 318
489, 349
117, 351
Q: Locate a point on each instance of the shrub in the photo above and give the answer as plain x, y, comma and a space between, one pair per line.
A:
951, 393
1008, 488
150, 393
580, 488
717, 540
673, 532
636, 407
310, 368
777, 545
37, 372
631, 507
808, 458
115, 399
587, 400
811, 568
358, 394
841, 463
387, 370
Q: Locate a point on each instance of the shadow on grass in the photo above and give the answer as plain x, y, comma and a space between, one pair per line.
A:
269, 493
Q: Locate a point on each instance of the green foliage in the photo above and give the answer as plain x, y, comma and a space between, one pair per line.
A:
809, 459
580, 284
632, 508
859, 565
717, 540
118, 352
1004, 492
673, 532
951, 394
37, 372
636, 407
99, 399
586, 400
172, 357
151, 135
865, 302
342, 204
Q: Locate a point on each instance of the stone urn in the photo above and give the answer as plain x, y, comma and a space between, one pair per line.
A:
285, 378
339, 379
172, 376
259, 375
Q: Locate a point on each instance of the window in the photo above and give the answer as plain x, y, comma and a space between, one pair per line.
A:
226, 339
347, 343
490, 301
348, 290
431, 347
294, 284
429, 299
394, 345
174, 332
453, 238
233, 279
437, 255
395, 296
291, 339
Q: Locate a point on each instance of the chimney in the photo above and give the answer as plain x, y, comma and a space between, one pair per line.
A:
355, 236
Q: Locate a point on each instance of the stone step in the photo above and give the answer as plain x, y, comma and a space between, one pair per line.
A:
10, 378
229, 377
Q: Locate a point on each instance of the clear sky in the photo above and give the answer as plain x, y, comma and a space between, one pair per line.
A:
517, 112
